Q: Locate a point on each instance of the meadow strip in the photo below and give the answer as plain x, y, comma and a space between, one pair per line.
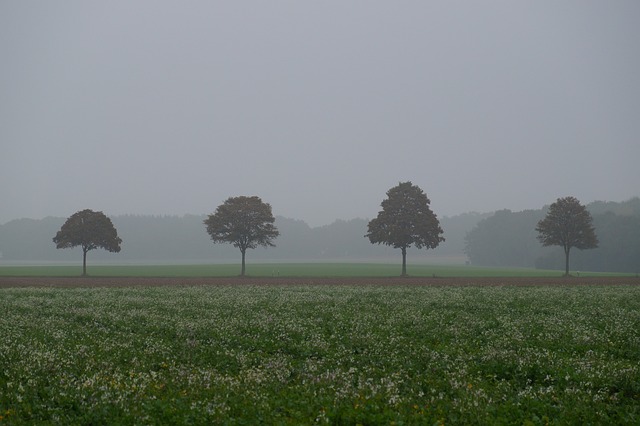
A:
283, 270
135, 281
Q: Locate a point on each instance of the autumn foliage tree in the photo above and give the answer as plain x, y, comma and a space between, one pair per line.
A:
405, 220
567, 224
89, 230
245, 222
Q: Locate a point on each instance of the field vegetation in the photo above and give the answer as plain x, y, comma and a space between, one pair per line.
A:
320, 355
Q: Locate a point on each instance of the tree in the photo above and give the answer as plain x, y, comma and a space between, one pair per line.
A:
90, 230
567, 224
245, 222
405, 219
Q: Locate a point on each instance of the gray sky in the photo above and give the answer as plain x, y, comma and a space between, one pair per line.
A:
318, 107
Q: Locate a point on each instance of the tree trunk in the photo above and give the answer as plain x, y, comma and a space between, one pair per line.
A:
84, 263
404, 262
566, 261
243, 253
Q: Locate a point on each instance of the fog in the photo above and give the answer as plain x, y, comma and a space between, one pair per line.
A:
157, 107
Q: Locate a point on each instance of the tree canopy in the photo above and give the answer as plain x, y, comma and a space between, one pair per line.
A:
89, 230
567, 224
245, 222
405, 220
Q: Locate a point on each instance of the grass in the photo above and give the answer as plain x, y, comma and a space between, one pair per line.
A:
283, 269
320, 355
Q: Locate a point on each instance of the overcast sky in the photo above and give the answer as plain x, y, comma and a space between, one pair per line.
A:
317, 107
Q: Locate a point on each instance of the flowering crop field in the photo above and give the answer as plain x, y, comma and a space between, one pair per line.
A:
320, 355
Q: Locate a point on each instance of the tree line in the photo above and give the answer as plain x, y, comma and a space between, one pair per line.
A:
406, 220
503, 238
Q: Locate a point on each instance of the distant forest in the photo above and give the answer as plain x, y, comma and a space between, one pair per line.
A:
502, 238
508, 238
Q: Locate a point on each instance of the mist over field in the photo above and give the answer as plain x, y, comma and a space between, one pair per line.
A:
167, 239
165, 108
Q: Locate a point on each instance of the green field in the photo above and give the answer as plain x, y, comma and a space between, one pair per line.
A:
283, 270
320, 355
